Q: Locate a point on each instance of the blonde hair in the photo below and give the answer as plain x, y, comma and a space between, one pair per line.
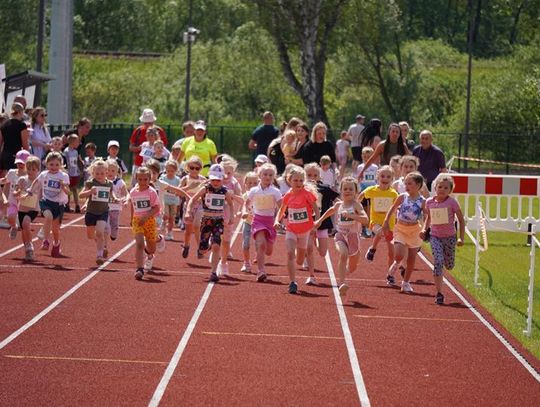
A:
153, 165
194, 159
313, 166
289, 134
159, 142
325, 159
112, 163
319, 125
295, 170
410, 158
442, 177
416, 177
348, 180
384, 168
250, 175
367, 149
172, 163
228, 162
33, 162
97, 163
267, 166
142, 171
53, 155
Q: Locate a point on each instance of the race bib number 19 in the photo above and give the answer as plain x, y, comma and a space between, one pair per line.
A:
142, 204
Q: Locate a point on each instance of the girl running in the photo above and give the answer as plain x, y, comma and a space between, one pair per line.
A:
264, 200
213, 196
349, 213
119, 189
410, 206
98, 190
442, 210
342, 152
301, 206
408, 164
250, 181
381, 196
10, 183
170, 201
54, 186
144, 209
191, 183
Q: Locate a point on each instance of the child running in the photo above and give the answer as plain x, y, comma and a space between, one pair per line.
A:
410, 206
54, 186
28, 206
408, 164
144, 208
382, 197
119, 189
301, 205
10, 183
74, 166
366, 180
442, 210
342, 152
213, 196
170, 201
265, 198
349, 214
98, 190
251, 180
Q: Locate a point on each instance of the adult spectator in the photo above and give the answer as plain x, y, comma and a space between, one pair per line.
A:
406, 132
302, 138
81, 129
393, 145
431, 158
201, 146
40, 137
371, 134
22, 100
147, 119
318, 146
14, 136
274, 152
264, 134
354, 133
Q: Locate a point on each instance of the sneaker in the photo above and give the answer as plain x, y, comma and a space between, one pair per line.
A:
148, 263
392, 269
311, 281
200, 255
185, 252
370, 254
29, 254
105, 253
230, 256
406, 287
77, 209
390, 280
246, 268
45, 245
139, 274
214, 278
305, 265
261, 277
13, 233
41, 234
210, 258
100, 260
439, 299
222, 269
343, 288
293, 287
55, 251
160, 246
67, 209
169, 237
402, 271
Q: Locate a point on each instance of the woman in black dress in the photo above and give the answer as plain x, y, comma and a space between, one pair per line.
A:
14, 136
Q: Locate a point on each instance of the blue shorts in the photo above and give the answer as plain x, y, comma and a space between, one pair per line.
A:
91, 219
56, 209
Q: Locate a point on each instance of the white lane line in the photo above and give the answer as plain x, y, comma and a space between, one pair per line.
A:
355, 365
164, 382
68, 293
13, 249
487, 324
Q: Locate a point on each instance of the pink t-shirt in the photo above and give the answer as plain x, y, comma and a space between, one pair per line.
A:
300, 209
143, 201
442, 216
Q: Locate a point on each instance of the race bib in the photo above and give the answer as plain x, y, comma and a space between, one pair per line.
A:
53, 184
141, 204
298, 215
29, 202
215, 202
262, 202
102, 194
439, 216
382, 204
73, 162
344, 220
146, 152
369, 177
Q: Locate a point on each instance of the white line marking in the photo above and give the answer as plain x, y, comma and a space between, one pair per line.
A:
13, 249
355, 365
164, 382
68, 293
488, 325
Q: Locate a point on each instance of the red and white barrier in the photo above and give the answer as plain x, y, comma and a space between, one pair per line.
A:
483, 184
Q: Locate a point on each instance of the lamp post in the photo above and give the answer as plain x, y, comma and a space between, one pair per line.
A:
189, 38
469, 80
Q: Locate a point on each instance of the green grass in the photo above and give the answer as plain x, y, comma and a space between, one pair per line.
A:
504, 279
504, 212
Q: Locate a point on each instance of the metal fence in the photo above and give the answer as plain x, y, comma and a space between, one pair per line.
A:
233, 140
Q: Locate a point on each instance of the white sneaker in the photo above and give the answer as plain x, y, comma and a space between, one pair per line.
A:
406, 287
169, 237
230, 256
41, 234
343, 288
311, 281
246, 268
160, 245
210, 257
305, 265
223, 269
148, 263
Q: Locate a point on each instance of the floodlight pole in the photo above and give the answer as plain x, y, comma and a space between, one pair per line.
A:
39, 49
188, 38
469, 77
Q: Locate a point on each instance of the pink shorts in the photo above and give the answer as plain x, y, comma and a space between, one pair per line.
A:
350, 240
301, 239
266, 224
12, 209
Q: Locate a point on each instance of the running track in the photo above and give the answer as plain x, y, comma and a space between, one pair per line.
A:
176, 339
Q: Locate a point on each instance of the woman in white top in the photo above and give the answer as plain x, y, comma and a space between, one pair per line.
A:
40, 138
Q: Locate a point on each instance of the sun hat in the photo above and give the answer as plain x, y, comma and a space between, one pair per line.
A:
147, 116
21, 156
113, 143
199, 125
261, 158
360, 116
216, 172
17, 107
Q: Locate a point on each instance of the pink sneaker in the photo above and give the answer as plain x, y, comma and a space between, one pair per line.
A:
45, 245
55, 252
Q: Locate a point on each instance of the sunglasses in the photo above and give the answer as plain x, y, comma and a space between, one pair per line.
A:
42, 115
195, 168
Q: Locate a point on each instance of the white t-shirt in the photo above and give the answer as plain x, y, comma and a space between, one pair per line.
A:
355, 130
51, 186
283, 186
13, 180
342, 147
264, 200
118, 186
329, 177
369, 177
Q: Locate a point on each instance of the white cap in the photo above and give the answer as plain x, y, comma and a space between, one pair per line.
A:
147, 116
261, 158
113, 143
199, 125
216, 172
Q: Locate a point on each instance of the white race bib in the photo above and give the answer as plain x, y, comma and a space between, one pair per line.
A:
29, 202
215, 202
382, 204
262, 202
141, 204
102, 194
73, 162
439, 216
298, 215
146, 152
343, 220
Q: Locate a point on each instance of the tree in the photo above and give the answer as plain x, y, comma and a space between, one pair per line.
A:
301, 30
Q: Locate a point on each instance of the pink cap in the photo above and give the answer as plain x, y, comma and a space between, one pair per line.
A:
21, 156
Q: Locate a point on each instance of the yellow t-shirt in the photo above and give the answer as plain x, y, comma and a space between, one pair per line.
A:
205, 150
381, 202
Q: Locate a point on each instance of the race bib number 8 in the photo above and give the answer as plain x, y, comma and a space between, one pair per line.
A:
102, 194
439, 216
382, 204
298, 215
215, 202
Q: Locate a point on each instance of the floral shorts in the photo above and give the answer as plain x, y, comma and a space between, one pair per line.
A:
211, 228
148, 229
